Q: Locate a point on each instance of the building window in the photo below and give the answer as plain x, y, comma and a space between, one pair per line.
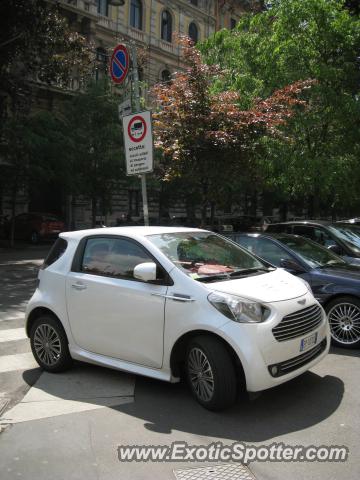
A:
194, 2
166, 26
232, 23
101, 63
165, 76
193, 32
136, 13
103, 7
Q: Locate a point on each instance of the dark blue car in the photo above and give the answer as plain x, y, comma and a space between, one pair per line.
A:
334, 282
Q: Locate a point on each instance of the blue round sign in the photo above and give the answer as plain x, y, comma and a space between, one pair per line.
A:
119, 65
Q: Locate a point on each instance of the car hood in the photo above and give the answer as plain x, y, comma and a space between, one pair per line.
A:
269, 287
344, 272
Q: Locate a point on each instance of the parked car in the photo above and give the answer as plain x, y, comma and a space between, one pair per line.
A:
35, 227
334, 282
341, 238
354, 221
157, 301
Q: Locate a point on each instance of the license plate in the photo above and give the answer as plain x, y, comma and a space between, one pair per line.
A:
308, 342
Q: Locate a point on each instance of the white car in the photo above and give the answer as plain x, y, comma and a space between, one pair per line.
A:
161, 302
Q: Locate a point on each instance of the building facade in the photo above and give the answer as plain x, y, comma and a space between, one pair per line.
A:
153, 26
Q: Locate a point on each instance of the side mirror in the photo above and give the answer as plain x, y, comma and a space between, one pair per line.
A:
291, 265
335, 249
145, 272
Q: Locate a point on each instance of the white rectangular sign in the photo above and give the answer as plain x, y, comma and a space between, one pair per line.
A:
124, 108
138, 143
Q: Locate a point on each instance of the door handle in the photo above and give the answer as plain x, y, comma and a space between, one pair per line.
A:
177, 297
79, 286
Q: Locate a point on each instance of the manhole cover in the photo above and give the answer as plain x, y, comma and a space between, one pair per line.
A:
226, 471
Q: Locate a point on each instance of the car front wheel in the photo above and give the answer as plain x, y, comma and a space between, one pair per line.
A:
344, 320
210, 373
49, 344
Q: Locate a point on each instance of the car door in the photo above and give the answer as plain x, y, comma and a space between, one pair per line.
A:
110, 312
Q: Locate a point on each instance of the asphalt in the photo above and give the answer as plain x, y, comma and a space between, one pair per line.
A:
70, 425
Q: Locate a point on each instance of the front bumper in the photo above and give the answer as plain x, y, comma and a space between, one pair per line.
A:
258, 350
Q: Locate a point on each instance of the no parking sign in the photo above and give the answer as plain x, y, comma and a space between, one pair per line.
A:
119, 64
138, 142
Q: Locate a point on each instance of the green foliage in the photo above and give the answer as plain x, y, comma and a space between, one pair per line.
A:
35, 41
95, 141
295, 40
205, 136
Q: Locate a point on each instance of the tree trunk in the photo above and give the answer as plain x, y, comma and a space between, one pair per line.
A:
13, 212
212, 213
204, 204
93, 211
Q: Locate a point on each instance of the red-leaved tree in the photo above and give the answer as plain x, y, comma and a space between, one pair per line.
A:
204, 136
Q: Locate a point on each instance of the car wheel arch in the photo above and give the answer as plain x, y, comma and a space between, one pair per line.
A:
178, 352
38, 312
335, 296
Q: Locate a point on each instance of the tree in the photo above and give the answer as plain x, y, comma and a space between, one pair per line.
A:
37, 44
205, 137
291, 41
95, 159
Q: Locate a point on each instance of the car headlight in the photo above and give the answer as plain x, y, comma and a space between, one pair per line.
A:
239, 309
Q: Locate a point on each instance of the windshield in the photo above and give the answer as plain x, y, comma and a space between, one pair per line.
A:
204, 255
311, 253
350, 234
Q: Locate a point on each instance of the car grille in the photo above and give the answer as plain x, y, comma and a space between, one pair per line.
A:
279, 369
298, 323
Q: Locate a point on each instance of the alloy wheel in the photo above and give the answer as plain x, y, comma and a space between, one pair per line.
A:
200, 374
344, 320
47, 344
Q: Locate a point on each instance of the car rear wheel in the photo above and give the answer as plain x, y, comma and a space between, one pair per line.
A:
344, 320
49, 344
210, 373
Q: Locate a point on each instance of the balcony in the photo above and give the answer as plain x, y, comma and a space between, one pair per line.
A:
85, 6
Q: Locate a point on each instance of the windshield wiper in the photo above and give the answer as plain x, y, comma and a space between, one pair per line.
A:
213, 278
245, 271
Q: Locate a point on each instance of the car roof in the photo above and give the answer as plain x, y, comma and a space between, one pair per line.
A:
274, 235
132, 231
304, 222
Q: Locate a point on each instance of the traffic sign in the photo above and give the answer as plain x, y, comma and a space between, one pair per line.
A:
138, 141
119, 64
124, 108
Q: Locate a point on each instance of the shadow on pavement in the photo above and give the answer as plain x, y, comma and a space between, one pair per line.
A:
163, 407
299, 404
348, 352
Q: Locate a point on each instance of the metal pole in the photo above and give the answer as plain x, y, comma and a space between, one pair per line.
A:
135, 78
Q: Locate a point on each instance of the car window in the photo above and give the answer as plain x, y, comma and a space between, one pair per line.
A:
270, 251
247, 242
204, 254
350, 234
57, 250
305, 231
311, 253
113, 257
321, 236
279, 228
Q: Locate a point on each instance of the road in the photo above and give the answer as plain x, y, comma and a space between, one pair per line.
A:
70, 425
